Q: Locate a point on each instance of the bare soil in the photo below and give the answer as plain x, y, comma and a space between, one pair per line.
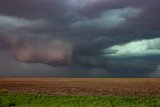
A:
83, 86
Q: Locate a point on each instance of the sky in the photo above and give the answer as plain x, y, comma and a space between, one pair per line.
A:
80, 38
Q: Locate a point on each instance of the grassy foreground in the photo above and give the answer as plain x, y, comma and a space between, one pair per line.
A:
28, 100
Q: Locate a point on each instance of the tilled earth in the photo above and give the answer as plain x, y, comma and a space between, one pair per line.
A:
83, 86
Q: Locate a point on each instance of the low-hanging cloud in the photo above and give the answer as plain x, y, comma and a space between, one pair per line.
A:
78, 34
53, 52
158, 68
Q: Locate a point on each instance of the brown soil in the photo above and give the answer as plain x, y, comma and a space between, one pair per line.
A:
83, 86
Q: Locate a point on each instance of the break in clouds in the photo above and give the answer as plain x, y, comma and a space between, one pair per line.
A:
80, 38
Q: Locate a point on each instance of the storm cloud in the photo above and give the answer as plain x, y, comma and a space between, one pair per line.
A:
85, 38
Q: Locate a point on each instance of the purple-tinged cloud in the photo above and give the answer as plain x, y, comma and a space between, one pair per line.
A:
53, 52
73, 33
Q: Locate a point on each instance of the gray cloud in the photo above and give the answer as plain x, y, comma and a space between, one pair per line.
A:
110, 19
30, 51
73, 33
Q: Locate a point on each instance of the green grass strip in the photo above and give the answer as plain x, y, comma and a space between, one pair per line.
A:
28, 100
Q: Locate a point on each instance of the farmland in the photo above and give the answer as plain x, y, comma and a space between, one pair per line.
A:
83, 86
79, 92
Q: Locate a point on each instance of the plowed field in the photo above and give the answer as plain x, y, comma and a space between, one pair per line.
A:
83, 86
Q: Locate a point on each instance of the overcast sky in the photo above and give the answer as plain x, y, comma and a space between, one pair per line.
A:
80, 38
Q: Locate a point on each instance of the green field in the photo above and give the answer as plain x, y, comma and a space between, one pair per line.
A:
29, 100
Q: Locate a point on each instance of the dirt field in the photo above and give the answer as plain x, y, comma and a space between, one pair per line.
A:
83, 86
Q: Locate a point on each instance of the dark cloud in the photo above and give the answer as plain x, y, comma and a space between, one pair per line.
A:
75, 33
52, 52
